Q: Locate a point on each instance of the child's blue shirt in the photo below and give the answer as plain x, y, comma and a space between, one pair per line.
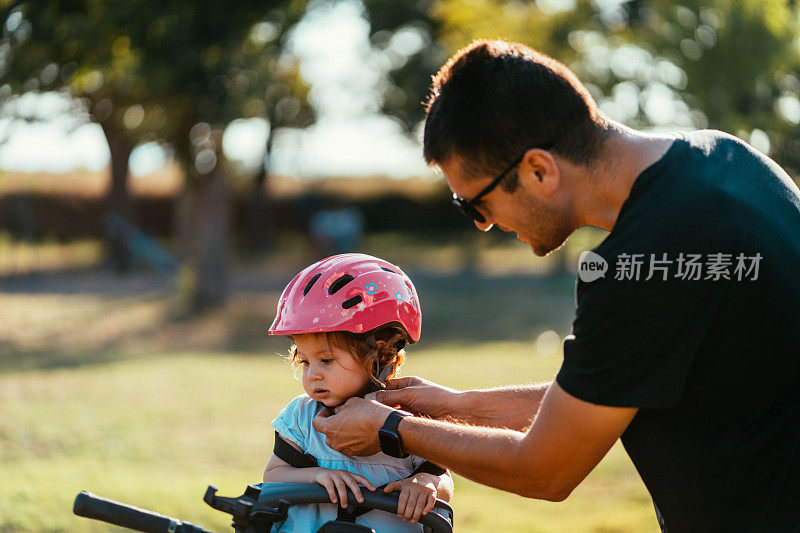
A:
294, 423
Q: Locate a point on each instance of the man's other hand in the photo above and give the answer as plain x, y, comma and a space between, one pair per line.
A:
419, 396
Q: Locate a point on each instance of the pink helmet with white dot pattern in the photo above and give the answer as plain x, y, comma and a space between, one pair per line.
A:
348, 292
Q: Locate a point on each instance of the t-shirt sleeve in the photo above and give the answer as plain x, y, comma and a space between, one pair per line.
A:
633, 341
294, 422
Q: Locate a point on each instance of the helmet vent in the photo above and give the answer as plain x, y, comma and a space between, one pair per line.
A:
388, 270
310, 284
339, 283
350, 302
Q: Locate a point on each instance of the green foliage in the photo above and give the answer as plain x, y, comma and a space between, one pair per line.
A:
153, 70
727, 64
444, 26
730, 51
465, 20
741, 60
176, 71
405, 32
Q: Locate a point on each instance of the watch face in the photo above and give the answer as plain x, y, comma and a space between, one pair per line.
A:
390, 443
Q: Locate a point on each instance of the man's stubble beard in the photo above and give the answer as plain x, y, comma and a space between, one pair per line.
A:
551, 229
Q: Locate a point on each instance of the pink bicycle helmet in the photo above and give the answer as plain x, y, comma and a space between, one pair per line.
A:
348, 292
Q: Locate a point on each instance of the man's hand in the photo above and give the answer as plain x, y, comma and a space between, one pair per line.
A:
353, 427
419, 396
417, 495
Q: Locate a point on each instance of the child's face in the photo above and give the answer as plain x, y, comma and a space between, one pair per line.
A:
330, 375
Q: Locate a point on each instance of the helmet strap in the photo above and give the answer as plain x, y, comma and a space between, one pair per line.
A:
379, 375
384, 373
375, 377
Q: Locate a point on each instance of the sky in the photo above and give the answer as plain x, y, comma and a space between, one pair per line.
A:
349, 138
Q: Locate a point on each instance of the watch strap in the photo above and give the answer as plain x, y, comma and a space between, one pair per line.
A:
393, 420
389, 438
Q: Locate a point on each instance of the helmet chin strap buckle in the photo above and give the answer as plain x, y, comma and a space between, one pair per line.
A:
384, 373
376, 381
374, 386
379, 375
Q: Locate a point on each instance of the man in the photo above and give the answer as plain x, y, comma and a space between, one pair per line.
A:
687, 347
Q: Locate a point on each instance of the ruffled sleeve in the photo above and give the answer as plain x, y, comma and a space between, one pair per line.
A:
294, 422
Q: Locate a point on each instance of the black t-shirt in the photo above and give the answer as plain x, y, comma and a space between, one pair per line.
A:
708, 348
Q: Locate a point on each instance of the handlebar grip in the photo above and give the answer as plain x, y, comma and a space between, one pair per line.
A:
92, 506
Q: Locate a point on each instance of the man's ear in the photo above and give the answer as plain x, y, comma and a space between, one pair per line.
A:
539, 171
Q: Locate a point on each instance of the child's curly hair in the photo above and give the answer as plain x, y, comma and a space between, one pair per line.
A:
366, 348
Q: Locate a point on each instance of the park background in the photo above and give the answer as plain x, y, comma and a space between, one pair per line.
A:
166, 167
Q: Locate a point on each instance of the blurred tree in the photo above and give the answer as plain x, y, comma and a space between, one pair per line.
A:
285, 105
741, 60
419, 35
405, 33
177, 71
727, 64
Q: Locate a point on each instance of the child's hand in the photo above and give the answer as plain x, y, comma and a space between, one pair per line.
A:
417, 495
338, 481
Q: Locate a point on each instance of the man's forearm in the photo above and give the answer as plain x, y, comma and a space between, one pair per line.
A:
490, 456
512, 407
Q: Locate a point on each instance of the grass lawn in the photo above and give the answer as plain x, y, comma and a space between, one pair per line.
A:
154, 430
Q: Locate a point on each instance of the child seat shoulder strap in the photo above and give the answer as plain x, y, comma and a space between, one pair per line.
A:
293, 457
430, 468
287, 453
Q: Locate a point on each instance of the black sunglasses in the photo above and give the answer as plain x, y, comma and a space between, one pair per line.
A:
468, 206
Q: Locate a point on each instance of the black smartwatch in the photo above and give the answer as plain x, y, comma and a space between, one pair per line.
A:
389, 438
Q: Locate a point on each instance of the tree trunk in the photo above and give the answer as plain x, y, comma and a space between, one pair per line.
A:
119, 202
259, 231
204, 227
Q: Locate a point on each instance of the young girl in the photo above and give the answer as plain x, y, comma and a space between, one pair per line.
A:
350, 317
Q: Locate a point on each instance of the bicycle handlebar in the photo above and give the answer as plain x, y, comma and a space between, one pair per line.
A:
439, 519
92, 506
254, 510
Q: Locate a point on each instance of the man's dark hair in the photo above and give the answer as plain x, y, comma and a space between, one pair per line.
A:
493, 100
